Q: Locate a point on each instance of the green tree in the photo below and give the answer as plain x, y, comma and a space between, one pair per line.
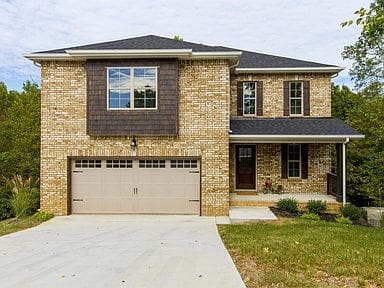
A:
367, 53
20, 131
365, 157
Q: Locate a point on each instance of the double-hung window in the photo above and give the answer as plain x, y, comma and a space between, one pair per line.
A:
132, 88
249, 98
296, 98
294, 160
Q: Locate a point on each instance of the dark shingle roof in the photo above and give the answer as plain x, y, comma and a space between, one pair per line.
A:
146, 42
248, 59
257, 60
292, 126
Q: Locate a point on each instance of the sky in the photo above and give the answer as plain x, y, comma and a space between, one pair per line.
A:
302, 29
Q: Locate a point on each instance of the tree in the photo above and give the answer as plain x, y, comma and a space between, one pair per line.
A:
178, 38
367, 53
20, 131
365, 157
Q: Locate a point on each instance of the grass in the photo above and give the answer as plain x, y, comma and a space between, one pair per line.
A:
302, 253
16, 224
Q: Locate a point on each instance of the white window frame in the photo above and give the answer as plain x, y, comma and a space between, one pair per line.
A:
301, 98
254, 114
132, 87
294, 161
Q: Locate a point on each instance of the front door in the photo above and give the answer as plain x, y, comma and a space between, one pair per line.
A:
245, 167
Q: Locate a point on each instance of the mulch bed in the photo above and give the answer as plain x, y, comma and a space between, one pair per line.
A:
328, 217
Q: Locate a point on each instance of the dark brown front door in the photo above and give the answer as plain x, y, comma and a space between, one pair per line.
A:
245, 167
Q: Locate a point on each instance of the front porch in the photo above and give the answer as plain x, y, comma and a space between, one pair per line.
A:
270, 200
288, 155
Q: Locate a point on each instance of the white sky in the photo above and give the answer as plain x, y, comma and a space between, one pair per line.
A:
303, 29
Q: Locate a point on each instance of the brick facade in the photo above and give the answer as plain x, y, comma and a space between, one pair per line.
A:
268, 164
203, 130
320, 92
207, 98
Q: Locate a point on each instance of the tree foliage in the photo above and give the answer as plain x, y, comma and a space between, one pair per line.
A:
367, 53
365, 157
20, 131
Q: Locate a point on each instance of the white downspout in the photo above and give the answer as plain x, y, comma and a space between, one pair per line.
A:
345, 171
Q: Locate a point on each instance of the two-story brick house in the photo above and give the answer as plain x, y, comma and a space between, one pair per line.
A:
155, 125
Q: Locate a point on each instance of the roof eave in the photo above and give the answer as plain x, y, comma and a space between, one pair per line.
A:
327, 69
74, 54
292, 138
47, 56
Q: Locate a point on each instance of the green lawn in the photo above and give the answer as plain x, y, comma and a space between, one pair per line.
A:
302, 253
14, 225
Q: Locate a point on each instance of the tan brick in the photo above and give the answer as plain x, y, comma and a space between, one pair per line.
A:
203, 130
320, 92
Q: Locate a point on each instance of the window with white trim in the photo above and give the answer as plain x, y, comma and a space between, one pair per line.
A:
249, 98
294, 160
132, 88
296, 98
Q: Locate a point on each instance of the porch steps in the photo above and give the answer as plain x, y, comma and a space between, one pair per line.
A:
270, 200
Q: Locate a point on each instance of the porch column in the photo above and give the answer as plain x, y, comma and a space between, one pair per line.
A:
344, 148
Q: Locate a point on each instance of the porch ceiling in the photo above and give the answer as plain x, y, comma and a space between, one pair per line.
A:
286, 130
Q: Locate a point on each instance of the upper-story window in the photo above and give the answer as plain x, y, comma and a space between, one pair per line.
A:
249, 98
296, 98
132, 88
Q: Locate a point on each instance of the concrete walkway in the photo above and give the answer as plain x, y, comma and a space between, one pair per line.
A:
118, 251
250, 214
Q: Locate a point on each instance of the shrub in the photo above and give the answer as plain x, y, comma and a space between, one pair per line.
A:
343, 220
351, 211
42, 216
288, 204
25, 196
310, 216
5, 205
382, 220
316, 206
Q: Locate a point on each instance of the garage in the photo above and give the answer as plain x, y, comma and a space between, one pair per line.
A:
152, 186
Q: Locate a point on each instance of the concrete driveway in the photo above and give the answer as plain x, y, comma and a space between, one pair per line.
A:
118, 251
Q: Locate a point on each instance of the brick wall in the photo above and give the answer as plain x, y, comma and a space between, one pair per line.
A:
320, 92
268, 164
203, 130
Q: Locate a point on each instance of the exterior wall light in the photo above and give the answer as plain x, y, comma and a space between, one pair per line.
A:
133, 143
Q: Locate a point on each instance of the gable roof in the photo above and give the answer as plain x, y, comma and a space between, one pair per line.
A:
150, 42
156, 46
292, 129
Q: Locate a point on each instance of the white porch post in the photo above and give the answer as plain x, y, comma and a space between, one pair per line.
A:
345, 171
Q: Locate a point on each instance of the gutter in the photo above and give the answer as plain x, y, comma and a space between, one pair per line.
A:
328, 69
75, 54
292, 138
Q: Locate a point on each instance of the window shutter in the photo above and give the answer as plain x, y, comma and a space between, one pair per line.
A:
306, 97
284, 161
259, 98
239, 98
304, 161
286, 98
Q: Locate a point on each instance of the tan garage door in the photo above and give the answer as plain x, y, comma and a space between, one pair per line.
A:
135, 186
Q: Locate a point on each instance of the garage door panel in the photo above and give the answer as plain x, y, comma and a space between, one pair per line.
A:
136, 186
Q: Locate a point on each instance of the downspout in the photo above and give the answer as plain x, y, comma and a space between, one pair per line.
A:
229, 100
37, 65
345, 171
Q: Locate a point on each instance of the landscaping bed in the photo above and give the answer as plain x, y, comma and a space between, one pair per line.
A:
16, 224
